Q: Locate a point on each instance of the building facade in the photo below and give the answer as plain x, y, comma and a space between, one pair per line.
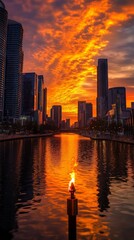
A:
3, 37
84, 113
117, 95
132, 105
102, 88
89, 112
56, 115
40, 91
29, 94
13, 75
81, 114
44, 110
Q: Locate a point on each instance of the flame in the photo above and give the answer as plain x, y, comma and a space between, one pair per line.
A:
73, 177
72, 181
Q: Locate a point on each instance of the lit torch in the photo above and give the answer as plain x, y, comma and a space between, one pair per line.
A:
72, 208
72, 185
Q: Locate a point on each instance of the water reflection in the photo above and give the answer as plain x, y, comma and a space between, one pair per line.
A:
10, 161
103, 165
34, 176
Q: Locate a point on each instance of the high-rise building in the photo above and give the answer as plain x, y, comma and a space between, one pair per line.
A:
56, 115
44, 110
102, 88
89, 112
3, 37
132, 105
13, 76
67, 123
40, 91
117, 95
81, 113
85, 112
29, 94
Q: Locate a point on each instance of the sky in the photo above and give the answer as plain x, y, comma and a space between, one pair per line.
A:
63, 40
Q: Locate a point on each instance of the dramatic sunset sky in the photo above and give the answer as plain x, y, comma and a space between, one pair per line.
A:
63, 40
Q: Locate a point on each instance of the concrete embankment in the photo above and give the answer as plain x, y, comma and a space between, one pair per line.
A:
123, 139
5, 137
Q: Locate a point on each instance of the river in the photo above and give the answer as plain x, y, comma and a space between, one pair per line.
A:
34, 177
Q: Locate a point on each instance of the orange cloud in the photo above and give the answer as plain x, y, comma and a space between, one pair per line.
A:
71, 42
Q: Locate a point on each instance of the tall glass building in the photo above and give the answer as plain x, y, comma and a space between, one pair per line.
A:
115, 94
3, 37
102, 88
56, 115
29, 94
13, 76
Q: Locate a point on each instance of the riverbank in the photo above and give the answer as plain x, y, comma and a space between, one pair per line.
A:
121, 139
5, 137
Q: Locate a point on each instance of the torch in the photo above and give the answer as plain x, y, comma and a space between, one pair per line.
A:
72, 209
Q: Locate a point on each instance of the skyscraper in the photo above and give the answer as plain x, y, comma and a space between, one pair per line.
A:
115, 95
40, 92
89, 112
13, 76
84, 113
3, 37
56, 115
29, 94
44, 110
102, 88
81, 113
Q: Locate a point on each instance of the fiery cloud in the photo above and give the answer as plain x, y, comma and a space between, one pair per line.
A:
63, 39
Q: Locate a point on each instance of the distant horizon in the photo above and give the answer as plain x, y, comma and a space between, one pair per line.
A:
63, 41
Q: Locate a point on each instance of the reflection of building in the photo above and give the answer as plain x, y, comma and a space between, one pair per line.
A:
10, 162
13, 76
29, 94
110, 170
103, 177
84, 113
56, 115
3, 36
102, 87
117, 95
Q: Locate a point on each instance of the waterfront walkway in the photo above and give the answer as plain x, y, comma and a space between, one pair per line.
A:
121, 139
6, 137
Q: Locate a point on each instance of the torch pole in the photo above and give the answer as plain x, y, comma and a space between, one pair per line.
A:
72, 211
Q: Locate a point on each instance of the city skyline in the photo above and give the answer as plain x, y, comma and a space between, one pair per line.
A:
63, 41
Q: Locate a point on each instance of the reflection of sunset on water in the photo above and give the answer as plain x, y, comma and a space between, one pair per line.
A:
37, 187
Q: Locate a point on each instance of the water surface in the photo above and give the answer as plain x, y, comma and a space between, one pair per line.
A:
34, 176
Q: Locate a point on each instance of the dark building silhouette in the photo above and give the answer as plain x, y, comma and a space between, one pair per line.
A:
89, 112
84, 113
102, 88
40, 92
3, 37
44, 110
114, 95
56, 115
81, 113
29, 94
13, 76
